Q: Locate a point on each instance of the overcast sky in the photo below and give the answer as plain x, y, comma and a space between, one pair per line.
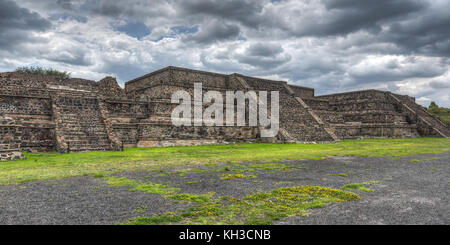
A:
330, 45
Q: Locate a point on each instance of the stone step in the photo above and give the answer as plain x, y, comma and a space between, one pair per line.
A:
85, 128
80, 125
88, 141
423, 115
90, 149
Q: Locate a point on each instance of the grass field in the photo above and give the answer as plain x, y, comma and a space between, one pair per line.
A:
42, 166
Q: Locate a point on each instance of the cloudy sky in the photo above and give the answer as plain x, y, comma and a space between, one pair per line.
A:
330, 45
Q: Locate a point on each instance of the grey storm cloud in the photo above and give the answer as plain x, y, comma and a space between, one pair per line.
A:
439, 84
73, 57
245, 12
16, 24
331, 45
264, 62
264, 55
65, 4
346, 16
429, 33
264, 49
215, 31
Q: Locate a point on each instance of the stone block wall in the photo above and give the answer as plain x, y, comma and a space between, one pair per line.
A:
47, 113
302, 92
80, 125
10, 135
427, 124
31, 112
11, 156
364, 114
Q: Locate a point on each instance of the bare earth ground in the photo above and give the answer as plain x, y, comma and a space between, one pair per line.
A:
408, 192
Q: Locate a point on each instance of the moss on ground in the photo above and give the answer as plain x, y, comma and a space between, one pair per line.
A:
196, 198
262, 208
340, 174
148, 187
242, 170
237, 176
140, 209
423, 159
360, 186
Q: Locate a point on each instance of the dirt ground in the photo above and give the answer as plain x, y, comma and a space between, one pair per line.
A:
413, 190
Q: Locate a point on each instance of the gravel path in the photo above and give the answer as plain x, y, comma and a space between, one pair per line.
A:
408, 192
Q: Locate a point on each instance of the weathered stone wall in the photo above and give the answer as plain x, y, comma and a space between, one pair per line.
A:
186, 77
299, 123
31, 112
80, 125
368, 113
363, 114
45, 113
427, 124
10, 135
149, 80
258, 84
375, 131
302, 92
157, 88
24, 82
109, 87
25, 105
11, 156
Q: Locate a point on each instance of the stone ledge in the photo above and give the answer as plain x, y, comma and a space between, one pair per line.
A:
10, 156
167, 143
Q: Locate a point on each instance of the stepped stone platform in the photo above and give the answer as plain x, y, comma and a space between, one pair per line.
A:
46, 113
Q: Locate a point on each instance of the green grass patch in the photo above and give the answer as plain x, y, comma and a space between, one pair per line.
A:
148, 187
360, 186
236, 176
140, 209
189, 171
116, 182
241, 170
282, 182
196, 198
155, 188
262, 208
340, 174
256, 168
43, 166
424, 159
170, 217
99, 175
193, 182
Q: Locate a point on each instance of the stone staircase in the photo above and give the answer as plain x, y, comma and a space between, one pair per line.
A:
417, 113
301, 123
80, 126
324, 133
298, 123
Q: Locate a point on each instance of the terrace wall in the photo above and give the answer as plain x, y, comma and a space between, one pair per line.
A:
46, 113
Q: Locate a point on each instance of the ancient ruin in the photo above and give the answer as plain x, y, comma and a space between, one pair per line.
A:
46, 113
